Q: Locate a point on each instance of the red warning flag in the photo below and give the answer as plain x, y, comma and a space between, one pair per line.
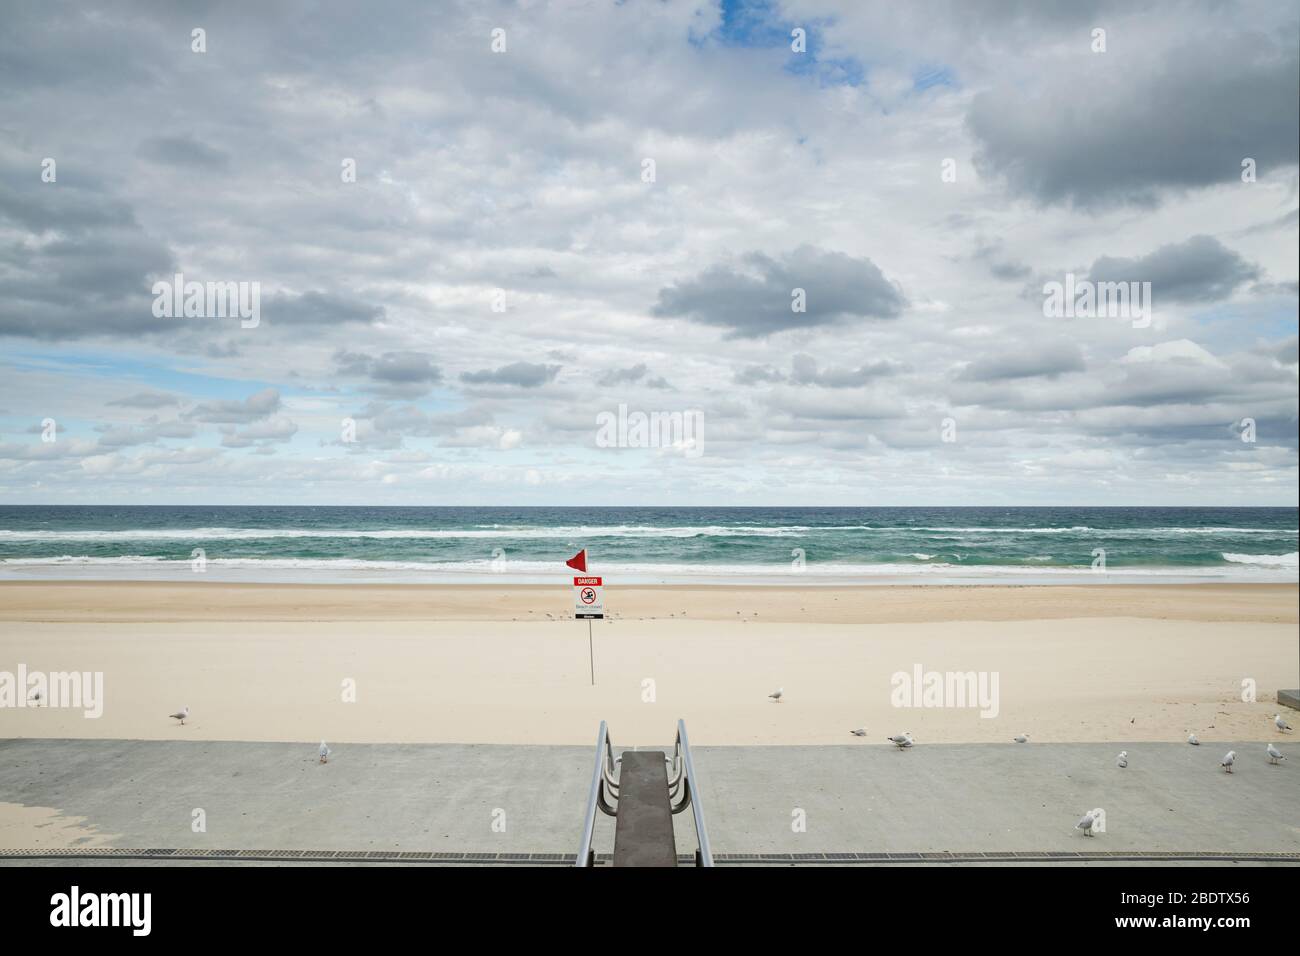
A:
579, 561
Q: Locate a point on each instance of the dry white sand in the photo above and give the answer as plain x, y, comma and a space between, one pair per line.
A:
436, 664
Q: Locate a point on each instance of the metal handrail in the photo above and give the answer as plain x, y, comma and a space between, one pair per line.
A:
683, 780
601, 777
704, 855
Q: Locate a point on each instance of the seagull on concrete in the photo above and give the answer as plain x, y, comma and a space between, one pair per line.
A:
1021, 738
1122, 760
901, 741
1085, 824
1274, 755
1281, 722
777, 694
181, 714
1228, 758
324, 752
860, 732
1191, 739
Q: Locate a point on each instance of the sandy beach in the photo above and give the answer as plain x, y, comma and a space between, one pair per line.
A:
509, 665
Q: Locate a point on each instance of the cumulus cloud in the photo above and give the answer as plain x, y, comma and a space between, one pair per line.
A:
237, 411
277, 429
519, 374
1200, 269
145, 400
391, 374
638, 374
1079, 135
1049, 359
756, 296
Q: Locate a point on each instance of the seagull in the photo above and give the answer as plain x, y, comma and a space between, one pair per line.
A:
1280, 722
776, 694
901, 741
1228, 758
1021, 738
36, 697
324, 752
860, 732
1274, 755
1086, 823
1191, 739
181, 714
1122, 760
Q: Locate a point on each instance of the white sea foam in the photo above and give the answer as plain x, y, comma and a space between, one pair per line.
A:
239, 534
1266, 560
307, 570
575, 531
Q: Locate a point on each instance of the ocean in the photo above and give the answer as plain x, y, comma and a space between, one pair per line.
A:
649, 545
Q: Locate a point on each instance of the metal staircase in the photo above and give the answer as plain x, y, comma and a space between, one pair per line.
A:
647, 790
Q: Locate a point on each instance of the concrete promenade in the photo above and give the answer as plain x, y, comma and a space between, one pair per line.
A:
482, 799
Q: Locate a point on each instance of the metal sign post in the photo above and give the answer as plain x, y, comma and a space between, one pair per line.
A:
589, 603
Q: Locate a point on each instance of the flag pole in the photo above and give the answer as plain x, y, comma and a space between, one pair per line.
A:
591, 654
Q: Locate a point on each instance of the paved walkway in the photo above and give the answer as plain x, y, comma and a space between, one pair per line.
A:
436, 798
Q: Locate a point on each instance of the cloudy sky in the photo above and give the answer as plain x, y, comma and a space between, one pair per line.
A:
507, 264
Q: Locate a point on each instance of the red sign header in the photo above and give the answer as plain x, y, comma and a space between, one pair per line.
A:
586, 582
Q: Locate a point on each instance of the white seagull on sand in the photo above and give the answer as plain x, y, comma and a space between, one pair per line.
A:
1021, 738
1281, 722
1227, 761
1122, 760
777, 694
181, 714
1274, 755
901, 741
1191, 739
324, 752
1085, 824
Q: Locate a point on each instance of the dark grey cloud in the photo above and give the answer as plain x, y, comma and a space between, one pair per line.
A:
638, 374
1127, 125
237, 412
1201, 269
184, 151
260, 434
521, 374
759, 375
392, 374
1029, 360
804, 371
1288, 352
318, 308
82, 265
1000, 266
754, 298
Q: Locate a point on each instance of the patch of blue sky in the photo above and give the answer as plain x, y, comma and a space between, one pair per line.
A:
757, 24
1237, 326
133, 372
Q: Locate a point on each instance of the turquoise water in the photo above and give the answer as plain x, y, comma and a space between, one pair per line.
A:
303, 543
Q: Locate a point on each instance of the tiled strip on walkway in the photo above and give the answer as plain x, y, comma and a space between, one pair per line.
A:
564, 859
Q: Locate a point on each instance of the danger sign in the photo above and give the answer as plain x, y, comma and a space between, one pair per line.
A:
588, 598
